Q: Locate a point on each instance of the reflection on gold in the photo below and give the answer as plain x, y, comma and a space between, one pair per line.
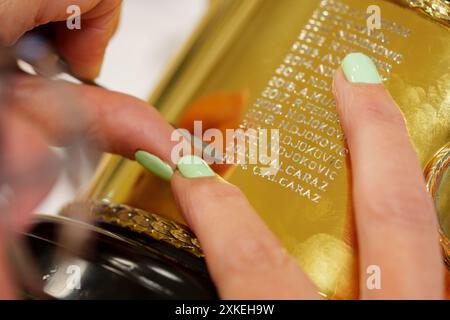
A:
219, 110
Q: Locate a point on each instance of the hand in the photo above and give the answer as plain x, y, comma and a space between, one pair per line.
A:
35, 112
99, 21
395, 219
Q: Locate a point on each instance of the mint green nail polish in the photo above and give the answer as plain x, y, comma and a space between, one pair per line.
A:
194, 167
154, 164
359, 68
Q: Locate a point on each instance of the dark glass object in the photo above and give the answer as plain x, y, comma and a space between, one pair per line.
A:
114, 263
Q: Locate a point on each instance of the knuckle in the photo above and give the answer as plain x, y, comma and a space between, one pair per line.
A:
259, 255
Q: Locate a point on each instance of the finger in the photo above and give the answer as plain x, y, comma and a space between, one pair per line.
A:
83, 49
113, 122
396, 223
244, 258
7, 291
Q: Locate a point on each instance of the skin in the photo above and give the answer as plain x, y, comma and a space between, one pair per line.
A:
395, 219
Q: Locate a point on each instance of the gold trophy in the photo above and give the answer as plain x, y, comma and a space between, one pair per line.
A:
437, 174
270, 64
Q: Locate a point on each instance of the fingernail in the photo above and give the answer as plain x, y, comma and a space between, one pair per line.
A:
194, 167
154, 164
359, 68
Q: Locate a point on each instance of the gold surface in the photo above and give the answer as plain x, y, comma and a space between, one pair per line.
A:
229, 64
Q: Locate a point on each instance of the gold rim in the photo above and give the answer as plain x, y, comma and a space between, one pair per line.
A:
438, 10
142, 222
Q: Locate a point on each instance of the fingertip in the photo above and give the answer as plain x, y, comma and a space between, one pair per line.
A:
194, 167
356, 71
360, 68
84, 51
154, 164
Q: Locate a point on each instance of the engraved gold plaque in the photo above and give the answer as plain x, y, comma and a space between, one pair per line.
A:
269, 64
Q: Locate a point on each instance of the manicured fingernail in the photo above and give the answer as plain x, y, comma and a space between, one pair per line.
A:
359, 68
194, 167
154, 164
